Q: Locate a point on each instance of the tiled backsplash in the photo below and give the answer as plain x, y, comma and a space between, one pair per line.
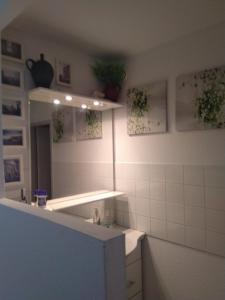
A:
181, 204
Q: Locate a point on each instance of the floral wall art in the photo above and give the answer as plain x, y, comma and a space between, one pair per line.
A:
88, 124
63, 124
147, 109
200, 100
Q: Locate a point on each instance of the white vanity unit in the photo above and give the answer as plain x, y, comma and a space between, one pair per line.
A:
133, 237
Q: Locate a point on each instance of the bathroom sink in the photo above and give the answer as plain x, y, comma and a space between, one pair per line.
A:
132, 238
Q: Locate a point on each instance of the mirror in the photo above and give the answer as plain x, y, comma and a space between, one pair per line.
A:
71, 151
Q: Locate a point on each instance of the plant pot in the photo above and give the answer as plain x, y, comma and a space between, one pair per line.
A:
112, 92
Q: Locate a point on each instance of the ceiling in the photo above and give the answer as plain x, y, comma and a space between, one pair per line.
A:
119, 27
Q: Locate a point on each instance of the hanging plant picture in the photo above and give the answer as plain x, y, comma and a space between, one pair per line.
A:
63, 124
146, 109
88, 124
200, 100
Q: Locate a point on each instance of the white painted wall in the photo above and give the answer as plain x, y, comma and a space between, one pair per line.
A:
173, 272
9, 9
50, 256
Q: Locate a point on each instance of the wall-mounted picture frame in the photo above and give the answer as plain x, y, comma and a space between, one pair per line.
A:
88, 124
12, 77
63, 72
14, 137
200, 103
147, 108
13, 107
11, 50
13, 170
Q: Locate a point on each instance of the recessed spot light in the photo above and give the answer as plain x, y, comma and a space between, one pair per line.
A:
96, 103
56, 101
68, 98
84, 106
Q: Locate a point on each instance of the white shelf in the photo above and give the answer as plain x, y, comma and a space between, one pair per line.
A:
48, 95
81, 199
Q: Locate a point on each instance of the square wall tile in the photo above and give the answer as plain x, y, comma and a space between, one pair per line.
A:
175, 213
195, 238
122, 204
174, 173
158, 228
142, 172
215, 220
119, 218
157, 190
175, 233
215, 176
194, 196
126, 186
157, 173
195, 217
194, 175
142, 206
175, 193
215, 243
142, 189
143, 224
215, 198
129, 220
158, 210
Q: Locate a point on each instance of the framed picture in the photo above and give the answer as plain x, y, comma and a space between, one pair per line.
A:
88, 124
147, 109
12, 78
13, 107
13, 170
63, 73
14, 137
11, 50
200, 103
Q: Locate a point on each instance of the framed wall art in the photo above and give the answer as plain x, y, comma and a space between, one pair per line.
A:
14, 137
88, 124
200, 100
63, 73
13, 170
147, 109
13, 107
11, 50
12, 77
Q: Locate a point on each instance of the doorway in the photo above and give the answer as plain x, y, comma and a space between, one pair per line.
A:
41, 158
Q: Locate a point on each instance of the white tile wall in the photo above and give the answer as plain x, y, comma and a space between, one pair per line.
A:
157, 210
175, 213
195, 217
215, 198
158, 228
180, 203
194, 196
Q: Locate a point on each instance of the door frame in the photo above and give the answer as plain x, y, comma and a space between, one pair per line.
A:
37, 124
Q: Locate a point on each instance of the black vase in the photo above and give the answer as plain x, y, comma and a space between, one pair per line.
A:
41, 71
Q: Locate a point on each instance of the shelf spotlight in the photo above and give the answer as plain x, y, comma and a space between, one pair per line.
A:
68, 98
56, 101
84, 106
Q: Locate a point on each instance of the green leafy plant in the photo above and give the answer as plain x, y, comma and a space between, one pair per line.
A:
109, 73
58, 126
139, 97
210, 105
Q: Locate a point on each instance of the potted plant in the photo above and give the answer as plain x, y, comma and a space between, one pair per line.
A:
111, 75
